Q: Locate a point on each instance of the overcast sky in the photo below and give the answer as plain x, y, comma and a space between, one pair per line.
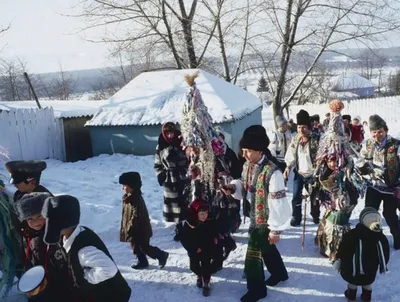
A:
42, 37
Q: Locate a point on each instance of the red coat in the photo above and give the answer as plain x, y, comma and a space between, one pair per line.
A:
357, 133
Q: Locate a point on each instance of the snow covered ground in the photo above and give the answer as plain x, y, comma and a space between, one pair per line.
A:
95, 183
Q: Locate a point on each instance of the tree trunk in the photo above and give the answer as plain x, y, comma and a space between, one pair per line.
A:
187, 34
224, 59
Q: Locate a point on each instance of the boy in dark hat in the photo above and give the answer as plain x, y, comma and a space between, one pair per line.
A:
52, 258
25, 176
301, 157
93, 274
263, 186
383, 151
135, 222
362, 251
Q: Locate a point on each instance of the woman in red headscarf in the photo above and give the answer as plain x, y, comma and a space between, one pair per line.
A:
171, 170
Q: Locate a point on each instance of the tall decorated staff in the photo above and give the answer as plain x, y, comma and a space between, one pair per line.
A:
199, 138
334, 159
10, 239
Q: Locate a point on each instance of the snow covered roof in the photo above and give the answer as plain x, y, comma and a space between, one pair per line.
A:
350, 82
157, 97
62, 109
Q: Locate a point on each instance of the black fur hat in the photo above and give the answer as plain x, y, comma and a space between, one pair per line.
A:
25, 170
346, 117
376, 122
255, 138
303, 118
30, 205
61, 212
131, 179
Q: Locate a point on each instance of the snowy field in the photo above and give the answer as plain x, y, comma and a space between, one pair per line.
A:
95, 183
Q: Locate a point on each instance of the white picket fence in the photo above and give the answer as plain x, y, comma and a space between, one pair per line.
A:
32, 134
387, 107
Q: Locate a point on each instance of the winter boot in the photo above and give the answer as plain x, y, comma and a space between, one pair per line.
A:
141, 263
273, 281
295, 222
366, 295
350, 294
256, 291
206, 289
199, 282
162, 260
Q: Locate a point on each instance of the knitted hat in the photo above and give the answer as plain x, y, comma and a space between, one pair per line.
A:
376, 122
61, 212
30, 205
131, 179
303, 118
280, 120
357, 117
25, 170
255, 138
371, 218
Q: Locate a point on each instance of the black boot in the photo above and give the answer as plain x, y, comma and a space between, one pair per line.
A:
162, 259
256, 291
142, 262
206, 289
295, 222
273, 280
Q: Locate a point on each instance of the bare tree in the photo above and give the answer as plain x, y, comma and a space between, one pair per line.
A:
312, 27
12, 83
62, 87
164, 22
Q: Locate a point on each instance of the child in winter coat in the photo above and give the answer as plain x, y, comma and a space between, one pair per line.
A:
52, 257
363, 251
135, 222
93, 274
357, 132
199, 237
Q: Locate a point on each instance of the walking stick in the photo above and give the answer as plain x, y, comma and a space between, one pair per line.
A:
304, 222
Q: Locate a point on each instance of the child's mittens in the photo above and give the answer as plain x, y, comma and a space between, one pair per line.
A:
337, 265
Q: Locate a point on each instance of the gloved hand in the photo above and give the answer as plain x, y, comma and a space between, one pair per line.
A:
161, 178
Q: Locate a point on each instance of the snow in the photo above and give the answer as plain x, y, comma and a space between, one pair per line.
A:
158, 97
349, 82
62, 109
95, 183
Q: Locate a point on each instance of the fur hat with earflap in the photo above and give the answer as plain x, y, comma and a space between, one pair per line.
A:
30, 205
371, 219
61, 212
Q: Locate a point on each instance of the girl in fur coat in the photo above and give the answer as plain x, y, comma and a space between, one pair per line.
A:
363, 251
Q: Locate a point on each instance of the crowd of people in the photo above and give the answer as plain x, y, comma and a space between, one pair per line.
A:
206, 187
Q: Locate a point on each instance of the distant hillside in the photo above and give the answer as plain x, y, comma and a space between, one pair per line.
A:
94, 79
